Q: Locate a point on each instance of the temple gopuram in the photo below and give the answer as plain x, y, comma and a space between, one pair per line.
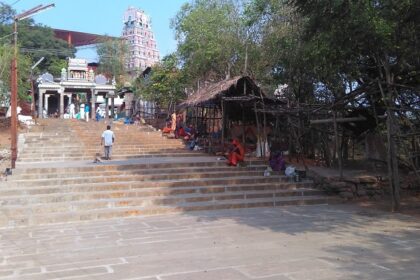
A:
78, 84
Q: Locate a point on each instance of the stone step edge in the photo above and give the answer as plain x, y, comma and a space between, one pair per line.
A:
58, 218
139, 185
198, 196
142, 171
272, 179
151, 177
129, 166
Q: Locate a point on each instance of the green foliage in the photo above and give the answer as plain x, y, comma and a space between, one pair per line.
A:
6, 14
112, 59
55, 65
165, 84
335, 43
283, 59
5, 62
34, 41
6, 55
211, 39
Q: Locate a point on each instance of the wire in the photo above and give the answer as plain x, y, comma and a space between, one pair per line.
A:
17, 1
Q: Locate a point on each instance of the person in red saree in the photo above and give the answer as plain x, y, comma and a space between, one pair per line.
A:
237, 153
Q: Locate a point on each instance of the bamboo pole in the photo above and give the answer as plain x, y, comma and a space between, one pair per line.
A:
338, 120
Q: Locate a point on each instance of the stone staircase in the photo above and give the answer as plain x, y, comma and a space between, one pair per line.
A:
69, 140
148, 175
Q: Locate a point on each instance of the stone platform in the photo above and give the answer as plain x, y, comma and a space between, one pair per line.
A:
288, 243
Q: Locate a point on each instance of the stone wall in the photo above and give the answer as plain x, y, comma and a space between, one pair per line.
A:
354, 187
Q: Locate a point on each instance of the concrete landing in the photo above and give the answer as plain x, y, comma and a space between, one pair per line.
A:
289, 243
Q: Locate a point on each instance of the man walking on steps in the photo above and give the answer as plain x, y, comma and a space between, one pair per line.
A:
107, 140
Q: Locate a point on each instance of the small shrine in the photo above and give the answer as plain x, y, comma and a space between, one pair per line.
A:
78, 84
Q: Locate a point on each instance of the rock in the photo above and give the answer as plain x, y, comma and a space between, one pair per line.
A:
368, 179
353, 180
347, 195
376, 197
361, 192
338, 184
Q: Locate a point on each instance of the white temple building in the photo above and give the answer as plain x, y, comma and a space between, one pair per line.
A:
78, 84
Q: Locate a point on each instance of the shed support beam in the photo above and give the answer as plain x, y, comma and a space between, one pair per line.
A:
338, 120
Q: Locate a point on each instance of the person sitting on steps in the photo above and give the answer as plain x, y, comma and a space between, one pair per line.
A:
237, 153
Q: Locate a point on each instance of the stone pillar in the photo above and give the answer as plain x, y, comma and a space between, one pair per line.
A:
61, 103
112, 106
106, 108
128, 99
46, 102
92, 104
40, 103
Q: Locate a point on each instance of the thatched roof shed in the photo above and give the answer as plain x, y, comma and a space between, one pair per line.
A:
235, 87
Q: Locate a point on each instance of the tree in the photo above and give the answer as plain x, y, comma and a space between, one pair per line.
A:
276, 30
34, 41
113, 56
166, 83
369, 42
211, 39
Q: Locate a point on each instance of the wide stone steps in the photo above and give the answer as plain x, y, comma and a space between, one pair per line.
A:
128, 171
25, 217
189, 194
156, 179
56, 180
115, 152
71, 140
77, 147
147, 164
119, 188
63, 158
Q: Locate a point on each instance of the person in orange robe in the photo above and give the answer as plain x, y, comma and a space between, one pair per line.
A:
237, 154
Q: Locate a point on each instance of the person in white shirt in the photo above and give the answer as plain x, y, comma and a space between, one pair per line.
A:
72, 111
107, 141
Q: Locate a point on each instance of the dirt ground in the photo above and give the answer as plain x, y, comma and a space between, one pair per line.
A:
410, 203
4, 146
4, 138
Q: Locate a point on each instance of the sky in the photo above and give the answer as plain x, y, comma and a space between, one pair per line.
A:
104, 17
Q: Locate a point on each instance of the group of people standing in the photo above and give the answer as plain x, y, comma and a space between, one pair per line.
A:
83, 112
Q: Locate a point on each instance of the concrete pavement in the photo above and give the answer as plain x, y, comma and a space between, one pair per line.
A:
288, 243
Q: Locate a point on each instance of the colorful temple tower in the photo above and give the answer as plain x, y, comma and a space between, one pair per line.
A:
138, 32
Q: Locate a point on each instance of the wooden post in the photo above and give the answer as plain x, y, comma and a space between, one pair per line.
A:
243, 124
393, 176
289, 125
337, 146
242, 107
196, 117
223, 125
392, 163
258, 126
